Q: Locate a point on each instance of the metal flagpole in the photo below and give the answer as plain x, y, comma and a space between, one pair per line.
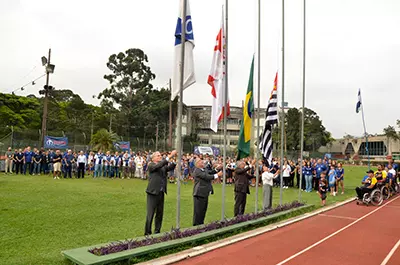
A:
304, 99
366, 135
258, 102
225, 109
283, 100
179, 125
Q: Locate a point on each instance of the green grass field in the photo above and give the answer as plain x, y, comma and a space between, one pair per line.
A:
40, 216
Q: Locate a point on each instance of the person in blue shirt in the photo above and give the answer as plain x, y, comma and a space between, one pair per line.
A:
340, 177
332, 180
319, 168
117, 165
68, 160
28, 154
308, 175
19, 168
37, 161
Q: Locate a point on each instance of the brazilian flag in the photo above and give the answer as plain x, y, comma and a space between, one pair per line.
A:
246, 127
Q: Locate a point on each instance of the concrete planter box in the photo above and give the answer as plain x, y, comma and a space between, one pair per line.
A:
82, 256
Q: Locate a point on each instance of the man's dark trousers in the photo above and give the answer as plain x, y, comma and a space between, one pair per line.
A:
200, 209
155, 205
81, 170
240, 203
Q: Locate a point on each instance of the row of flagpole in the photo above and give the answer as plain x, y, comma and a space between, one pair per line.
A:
182, 36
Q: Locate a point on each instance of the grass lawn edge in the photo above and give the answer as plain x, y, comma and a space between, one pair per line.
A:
199, 250
82, 256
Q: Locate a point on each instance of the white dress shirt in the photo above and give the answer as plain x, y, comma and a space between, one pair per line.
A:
82, 159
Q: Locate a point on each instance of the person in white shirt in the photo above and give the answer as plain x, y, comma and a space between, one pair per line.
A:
268, 181
286, 175
139, 166
125, 165
81, 162
98, 161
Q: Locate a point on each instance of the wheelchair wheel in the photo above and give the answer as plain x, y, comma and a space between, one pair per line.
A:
395, 187
376, 197
385, 193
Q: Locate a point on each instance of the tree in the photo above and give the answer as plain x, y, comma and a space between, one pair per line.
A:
103, 140
20, 112
390, 133
315, 134
129, 82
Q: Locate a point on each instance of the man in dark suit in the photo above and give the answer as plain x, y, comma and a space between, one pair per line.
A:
201, 190
241, 187
157, 168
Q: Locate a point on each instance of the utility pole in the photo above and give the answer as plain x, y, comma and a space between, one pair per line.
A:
170, 118
91, 129
46, 92
165, 136
157, 136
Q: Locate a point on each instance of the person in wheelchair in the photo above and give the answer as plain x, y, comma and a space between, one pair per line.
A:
391, 175
381, 174
369, 182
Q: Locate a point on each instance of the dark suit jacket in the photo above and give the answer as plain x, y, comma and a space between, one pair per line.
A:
242, 180
202, 183
158, 176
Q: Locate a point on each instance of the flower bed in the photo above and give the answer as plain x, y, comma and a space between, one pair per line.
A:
116, 247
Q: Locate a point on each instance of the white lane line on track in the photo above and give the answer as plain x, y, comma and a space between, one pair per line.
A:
338, 216
394, 206
335, 233
385, 261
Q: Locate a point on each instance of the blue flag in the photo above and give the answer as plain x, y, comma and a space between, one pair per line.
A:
188, 72
358, 106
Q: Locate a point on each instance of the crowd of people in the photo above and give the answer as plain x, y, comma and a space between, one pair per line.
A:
321, 175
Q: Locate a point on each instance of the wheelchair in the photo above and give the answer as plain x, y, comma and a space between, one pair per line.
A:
384, 188
394, 188
374, 197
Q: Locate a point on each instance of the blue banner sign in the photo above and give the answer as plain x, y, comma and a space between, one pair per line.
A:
124, 146
55, 142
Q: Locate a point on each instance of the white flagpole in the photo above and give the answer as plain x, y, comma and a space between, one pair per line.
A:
283, 100
179, 124
225, 107
258, 102
365, 132
304, 99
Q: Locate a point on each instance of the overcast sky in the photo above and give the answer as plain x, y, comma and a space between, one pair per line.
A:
351, 44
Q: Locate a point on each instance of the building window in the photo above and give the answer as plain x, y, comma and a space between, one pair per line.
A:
232, 121
218, 141
233, 142
204, 141
231, 132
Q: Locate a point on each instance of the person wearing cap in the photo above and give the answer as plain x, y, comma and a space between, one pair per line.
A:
368, 183
201, 190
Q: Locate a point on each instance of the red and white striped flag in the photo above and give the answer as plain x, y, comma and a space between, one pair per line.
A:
216, 79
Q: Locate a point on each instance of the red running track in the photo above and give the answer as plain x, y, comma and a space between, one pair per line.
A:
350, 234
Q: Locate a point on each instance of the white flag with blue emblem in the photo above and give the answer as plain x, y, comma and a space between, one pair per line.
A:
359, 102
189, 77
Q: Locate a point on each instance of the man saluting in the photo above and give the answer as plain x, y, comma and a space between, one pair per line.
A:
157, 186
201, 190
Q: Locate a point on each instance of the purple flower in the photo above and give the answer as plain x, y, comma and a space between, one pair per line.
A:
177, 233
